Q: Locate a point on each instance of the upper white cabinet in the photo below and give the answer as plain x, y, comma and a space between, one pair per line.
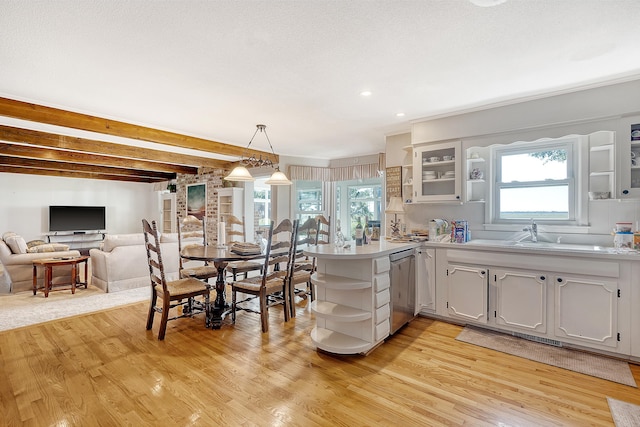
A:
630, 168
602, 163
437, 172
407, 175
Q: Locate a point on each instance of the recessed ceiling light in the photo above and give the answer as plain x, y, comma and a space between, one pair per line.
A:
365, 93
399, 114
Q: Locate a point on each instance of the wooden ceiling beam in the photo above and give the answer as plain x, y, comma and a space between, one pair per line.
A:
124, 152
76, 167
28, 151
66, 174
54, 116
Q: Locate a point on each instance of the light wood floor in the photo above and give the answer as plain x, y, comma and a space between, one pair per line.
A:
105, 369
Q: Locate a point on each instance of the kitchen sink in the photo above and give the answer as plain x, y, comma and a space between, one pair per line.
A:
540, 245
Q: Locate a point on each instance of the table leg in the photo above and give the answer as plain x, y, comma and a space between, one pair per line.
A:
219, 308
86, 277
74, 271
47, 279
35, 279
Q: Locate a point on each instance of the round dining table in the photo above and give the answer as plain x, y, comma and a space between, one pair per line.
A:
220, 257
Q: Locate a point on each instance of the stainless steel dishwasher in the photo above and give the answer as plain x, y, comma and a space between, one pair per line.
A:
403, 288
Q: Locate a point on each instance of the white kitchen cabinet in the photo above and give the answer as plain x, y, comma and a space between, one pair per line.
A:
426, 280
578, 301
352, 305
437, 172
521, 299
602, 162
628, 142
586, 310
407, 175
476, 174
467, 292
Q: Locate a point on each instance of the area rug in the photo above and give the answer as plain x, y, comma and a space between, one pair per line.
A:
585, 363
624, 414
22, 310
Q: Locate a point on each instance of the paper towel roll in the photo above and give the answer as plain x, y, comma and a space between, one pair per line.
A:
222, 234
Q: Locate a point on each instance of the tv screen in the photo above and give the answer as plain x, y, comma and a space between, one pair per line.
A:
77, 218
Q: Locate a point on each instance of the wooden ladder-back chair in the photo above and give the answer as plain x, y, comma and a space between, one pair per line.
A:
192, 231
272, 282
306, 235
173, 293
323, 231
235, 229
298, 272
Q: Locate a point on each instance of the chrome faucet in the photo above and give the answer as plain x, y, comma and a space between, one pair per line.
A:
533, 229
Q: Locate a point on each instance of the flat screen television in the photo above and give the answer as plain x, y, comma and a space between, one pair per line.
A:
77, 218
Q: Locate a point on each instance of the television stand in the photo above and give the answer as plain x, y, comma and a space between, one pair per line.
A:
80, 240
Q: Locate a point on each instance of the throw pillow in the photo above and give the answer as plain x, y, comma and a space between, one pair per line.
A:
33, 243
8, 234
16, 244
48, 247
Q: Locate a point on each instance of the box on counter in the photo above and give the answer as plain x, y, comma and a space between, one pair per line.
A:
460, 231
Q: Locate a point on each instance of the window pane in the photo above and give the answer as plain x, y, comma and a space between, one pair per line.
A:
535, 202
535, 166
261, 203
365, 203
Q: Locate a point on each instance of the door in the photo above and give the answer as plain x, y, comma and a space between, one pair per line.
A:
467, 292
521, 299
436, 172
426, 280
586, 310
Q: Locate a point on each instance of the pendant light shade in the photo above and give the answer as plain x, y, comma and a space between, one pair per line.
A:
240, 173
278, 178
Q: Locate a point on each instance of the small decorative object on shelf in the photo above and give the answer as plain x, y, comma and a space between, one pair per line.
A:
476, 173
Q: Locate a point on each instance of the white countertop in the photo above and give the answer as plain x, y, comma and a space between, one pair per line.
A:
372, 250
571, 250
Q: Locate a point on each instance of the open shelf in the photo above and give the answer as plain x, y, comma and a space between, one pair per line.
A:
342, 313
335, 342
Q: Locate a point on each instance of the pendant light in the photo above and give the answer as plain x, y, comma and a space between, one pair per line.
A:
241, 173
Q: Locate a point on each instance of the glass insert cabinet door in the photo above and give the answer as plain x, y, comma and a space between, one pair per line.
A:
437, 172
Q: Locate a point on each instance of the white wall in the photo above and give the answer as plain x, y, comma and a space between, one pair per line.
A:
26, 200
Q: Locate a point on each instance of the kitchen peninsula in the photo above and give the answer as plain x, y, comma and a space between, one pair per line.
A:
353, 295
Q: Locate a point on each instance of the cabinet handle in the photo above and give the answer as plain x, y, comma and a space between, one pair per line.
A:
543, 278
625, 191
458, 197
559, 279
483, 272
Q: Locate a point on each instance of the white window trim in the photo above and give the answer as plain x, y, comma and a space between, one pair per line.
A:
575, 169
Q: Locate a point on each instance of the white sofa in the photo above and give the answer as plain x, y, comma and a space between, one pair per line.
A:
17, 259
121, 262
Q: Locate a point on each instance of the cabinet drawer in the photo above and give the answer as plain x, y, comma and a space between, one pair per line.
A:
382, 330
382, 313
382, 298
381, 265
381, 282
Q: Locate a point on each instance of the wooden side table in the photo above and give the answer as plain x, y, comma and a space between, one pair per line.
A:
48, 265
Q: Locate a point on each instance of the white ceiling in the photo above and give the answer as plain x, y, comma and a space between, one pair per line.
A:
214, 69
